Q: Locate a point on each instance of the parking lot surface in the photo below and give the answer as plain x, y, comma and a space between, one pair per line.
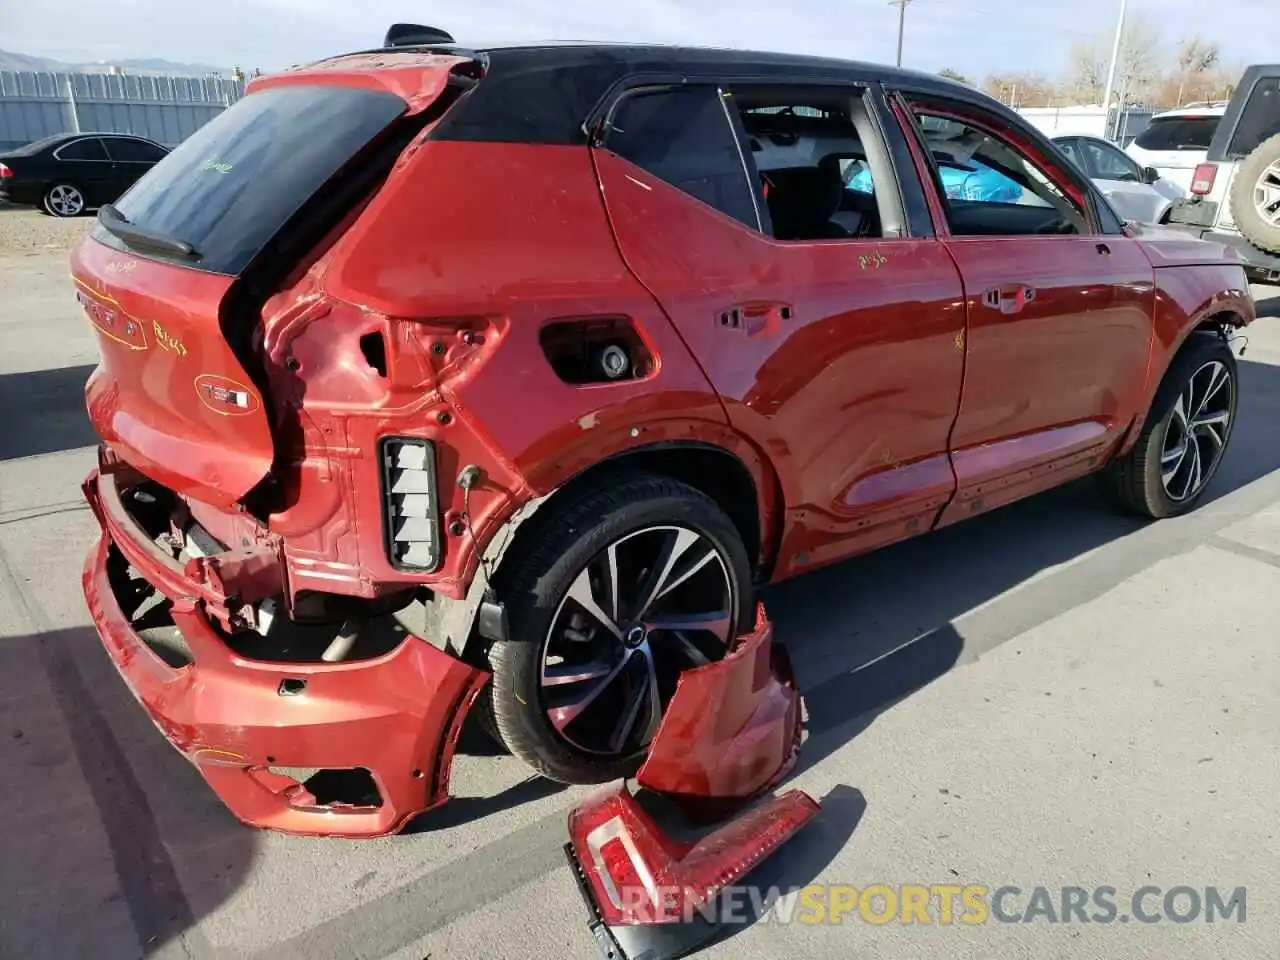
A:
1052, 695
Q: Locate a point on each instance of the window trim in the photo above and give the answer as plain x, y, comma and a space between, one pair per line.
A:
1083, 194
57, 153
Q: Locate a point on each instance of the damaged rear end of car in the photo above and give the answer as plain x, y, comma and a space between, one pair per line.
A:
309, 395
227, 582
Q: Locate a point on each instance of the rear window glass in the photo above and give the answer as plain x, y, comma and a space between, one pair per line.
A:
1260, 118
230, 187
1178, 133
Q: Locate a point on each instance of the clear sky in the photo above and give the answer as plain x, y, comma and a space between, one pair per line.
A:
973, 36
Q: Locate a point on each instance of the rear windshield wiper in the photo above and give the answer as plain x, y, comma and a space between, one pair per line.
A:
114, 222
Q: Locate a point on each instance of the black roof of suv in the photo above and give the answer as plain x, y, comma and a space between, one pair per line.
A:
1252, 116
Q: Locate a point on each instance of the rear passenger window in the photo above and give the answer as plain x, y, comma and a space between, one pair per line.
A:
684, 137
134, 151
91, 149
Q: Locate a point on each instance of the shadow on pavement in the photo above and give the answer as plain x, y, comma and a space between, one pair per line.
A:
103, 808
44, 412
868, 632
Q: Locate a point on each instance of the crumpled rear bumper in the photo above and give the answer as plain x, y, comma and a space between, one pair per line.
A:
731, 732
243, 721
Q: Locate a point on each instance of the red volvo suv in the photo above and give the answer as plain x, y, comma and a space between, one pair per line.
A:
432, 365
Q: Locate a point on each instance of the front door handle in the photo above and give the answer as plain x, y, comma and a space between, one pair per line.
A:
1009, 298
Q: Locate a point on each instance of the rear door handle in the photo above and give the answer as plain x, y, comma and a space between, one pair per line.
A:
1009, 298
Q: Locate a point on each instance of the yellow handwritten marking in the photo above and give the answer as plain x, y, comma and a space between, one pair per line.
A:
167, 340
877, 258
960, 341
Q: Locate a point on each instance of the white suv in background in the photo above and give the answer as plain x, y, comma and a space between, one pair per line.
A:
1176, 142
1235, 190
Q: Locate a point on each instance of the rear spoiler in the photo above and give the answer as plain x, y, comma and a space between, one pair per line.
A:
414, 34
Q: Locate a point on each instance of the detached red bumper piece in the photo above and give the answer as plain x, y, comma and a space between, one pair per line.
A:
651, 897
266, 735
731, 731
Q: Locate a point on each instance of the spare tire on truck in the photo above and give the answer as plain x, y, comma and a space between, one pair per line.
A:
1255, 196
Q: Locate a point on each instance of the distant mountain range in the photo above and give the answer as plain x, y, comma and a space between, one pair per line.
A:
146, 66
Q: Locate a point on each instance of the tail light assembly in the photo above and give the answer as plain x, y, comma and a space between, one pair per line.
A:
5, 172
651, 897
1203, 178
410, 504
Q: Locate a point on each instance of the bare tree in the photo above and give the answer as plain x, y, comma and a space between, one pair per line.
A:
1021, 89
1141, 59
1196, 57
1138, 70
1087, 70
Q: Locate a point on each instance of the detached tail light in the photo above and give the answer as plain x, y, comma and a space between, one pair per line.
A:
1203, 179
409, 503
639, 882
5, 172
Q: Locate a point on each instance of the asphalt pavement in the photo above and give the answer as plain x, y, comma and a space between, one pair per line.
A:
1050, 696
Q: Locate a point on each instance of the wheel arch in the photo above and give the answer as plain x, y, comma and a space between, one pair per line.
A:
751, 499
1220, 318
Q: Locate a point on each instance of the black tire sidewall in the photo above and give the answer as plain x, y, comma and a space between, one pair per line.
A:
1202, 349
561, 546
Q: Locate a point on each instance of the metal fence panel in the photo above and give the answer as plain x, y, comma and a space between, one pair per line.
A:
166, 109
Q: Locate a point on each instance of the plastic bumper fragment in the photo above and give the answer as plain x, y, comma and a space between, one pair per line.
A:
650, 897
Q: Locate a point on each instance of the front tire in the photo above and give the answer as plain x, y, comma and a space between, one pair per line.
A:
1185, 436
614, 594
63, 200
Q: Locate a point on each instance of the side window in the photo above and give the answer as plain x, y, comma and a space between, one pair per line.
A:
815, 167
990, 187
684, 137
89, 149
1260, 118
1072, 149
1110, 164
133, 151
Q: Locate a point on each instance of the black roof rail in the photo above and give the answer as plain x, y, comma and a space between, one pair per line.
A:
412, 34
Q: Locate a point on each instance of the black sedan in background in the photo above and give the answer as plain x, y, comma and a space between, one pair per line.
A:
69, 173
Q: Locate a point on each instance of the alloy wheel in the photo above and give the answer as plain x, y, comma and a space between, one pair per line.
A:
66, 200
1266, 194
650, 605
1197, 432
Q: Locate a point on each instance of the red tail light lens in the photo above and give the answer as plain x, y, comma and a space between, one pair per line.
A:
5, 172
636, 875
1203, 178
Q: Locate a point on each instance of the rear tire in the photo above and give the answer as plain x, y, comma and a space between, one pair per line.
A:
63, 200
1185, 436
610, 544
1255, 196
